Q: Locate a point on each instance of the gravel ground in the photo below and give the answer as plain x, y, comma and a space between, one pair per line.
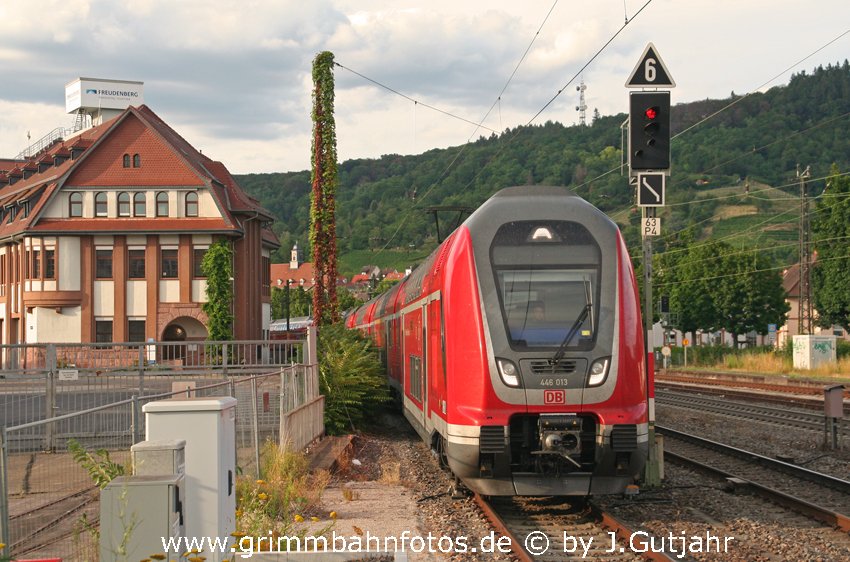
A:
392, 457
398, 484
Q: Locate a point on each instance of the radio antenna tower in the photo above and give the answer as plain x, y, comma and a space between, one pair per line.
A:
582, 106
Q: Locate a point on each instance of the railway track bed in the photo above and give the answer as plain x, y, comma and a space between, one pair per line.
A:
785, 416
823, 497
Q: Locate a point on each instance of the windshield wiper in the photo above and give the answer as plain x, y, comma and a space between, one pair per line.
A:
587, 311
571, 334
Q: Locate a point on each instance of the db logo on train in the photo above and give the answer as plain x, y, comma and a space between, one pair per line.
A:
554, 397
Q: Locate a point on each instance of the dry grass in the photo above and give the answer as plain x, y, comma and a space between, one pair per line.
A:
774, 363
349, 495
390, 472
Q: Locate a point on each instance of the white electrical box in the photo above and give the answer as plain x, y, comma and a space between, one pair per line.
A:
810, 352
208, 426
137, 513
151, 458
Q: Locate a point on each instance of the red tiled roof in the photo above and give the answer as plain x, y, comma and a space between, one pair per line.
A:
283, 272
231, 198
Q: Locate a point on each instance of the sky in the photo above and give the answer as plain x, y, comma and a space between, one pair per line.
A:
233, 77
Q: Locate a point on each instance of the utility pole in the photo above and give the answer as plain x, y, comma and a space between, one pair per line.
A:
805, 306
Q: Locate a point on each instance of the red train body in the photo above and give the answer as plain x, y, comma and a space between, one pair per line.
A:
517, 349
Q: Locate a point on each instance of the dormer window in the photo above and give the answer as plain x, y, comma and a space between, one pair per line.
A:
126, 160
192, 204
100, 205
162, 204
75, 205
137, 161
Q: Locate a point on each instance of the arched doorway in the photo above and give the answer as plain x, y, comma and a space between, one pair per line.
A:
177, 333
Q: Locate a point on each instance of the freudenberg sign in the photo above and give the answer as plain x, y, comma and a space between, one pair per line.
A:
102, 94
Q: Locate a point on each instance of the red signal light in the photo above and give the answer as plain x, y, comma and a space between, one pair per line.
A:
651, 112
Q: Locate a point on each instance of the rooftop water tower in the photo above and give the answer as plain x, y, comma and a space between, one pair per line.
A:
99, 99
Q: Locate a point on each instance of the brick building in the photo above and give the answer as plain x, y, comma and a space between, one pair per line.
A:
102, 235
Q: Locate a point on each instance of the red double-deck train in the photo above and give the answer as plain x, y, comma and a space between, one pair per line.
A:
517, 348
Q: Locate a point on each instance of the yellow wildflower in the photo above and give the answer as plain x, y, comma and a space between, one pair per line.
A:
333, 515
298, 519
314, 519
237, 534
158, 556
261, 482
263, 496
238, 513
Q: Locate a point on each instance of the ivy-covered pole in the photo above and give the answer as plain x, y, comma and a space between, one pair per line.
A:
324, 182
218, 268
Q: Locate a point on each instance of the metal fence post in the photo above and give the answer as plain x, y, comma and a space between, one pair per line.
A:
4, 496
50, 395
225, 358
134, 420
256, 424
311, 345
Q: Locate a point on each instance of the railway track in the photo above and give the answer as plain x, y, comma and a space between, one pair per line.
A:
774, 415
820, 496
50, 523
556, 528
749, 382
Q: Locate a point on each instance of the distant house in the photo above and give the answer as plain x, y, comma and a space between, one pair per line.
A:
297, 272
791, 285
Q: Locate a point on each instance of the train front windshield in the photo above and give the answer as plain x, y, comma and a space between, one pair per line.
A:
547, 276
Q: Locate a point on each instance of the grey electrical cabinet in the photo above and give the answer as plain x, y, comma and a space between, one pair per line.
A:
151, 458
137, 513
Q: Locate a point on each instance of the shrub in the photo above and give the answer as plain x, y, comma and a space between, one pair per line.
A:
351, 378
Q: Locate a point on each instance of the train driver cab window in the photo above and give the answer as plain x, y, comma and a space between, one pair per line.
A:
547, 279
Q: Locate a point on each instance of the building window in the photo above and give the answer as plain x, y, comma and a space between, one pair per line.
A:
123, 204
197, 261
75, 205
135, 330
100, 205
139, 204
36, 264
169, 264
192, 204
162, 204
137, 161
126, 160
136, 263
50, 263
103, 331
103, 264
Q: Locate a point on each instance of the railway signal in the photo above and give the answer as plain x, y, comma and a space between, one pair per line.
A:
649, 131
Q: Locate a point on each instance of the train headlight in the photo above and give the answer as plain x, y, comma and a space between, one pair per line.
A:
509, 372
598, 371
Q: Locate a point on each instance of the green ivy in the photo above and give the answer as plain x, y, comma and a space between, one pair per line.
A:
324, 184
217, 266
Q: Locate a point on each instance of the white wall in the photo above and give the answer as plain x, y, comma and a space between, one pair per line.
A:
69, 263
45, 325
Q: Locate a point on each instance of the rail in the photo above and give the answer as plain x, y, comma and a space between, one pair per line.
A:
817, 495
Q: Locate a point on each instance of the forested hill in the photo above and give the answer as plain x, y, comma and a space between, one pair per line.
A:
760, 138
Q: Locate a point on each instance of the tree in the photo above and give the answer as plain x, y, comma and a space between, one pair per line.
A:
217, 266
714, 286
750, 296
831, 229
324, 183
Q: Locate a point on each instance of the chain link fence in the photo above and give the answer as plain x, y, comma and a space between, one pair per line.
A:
49, 505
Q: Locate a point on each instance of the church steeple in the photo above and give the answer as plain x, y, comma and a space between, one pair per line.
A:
295, 257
